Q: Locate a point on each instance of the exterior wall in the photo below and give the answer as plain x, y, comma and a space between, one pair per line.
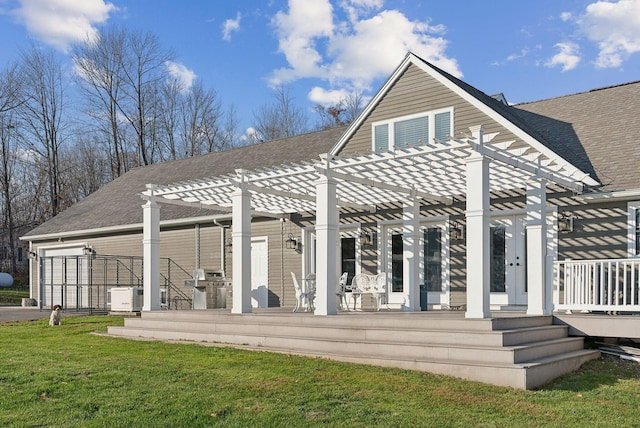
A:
600, 230
179, 244
417, 92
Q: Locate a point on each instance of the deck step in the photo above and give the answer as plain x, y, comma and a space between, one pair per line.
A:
511, 351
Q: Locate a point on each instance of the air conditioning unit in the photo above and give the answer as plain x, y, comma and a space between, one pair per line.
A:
126, 299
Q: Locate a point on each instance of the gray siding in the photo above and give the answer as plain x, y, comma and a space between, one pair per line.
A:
416, 92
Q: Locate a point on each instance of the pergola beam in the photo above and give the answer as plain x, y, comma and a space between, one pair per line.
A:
370, 182
305, 197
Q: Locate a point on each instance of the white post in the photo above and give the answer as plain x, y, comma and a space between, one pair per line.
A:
411, 253
151, 253
241, 247
326, 244
478, 232
538, 291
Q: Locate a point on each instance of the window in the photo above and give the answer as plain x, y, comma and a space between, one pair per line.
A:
432, 242
412, 130
633, 225
348, 250
396, 262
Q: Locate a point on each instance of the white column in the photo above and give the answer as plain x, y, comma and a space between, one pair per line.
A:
241, 247
478, 232
410, 254
539, 296
326, 244
151, 253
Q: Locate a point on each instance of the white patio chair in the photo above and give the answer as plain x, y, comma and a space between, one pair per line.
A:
341, 290
360, 284
379, 285
301, 295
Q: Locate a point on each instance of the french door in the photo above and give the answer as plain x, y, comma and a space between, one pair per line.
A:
508, 268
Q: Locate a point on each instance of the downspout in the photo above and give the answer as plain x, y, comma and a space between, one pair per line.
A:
223, 253
282, 262
197, 245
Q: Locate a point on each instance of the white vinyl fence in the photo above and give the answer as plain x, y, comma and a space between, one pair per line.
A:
610, 285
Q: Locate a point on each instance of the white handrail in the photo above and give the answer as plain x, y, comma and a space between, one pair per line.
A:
611, 285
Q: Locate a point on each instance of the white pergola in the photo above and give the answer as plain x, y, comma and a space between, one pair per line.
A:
437, 172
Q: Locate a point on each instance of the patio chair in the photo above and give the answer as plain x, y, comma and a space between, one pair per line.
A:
301, 295
360, 285
379, 286
341, 290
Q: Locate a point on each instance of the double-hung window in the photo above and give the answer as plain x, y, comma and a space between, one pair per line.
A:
416, 129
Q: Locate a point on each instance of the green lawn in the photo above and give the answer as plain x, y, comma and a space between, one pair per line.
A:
13, 296
65, 376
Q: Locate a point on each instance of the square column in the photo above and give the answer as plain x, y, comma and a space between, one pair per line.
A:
411, 254
241, 247
151, 253
538, 291
478, 232
326, 244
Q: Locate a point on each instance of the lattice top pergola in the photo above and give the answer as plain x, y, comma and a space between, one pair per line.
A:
434, 172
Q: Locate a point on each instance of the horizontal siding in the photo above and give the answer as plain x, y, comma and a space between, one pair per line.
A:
416, 92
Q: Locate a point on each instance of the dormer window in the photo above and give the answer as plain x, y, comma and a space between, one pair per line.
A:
412, 130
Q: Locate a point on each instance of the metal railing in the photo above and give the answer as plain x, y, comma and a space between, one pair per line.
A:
83, 283
609, 285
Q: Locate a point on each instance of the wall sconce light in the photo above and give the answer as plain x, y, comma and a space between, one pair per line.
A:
33, 255
88, 250
455, 231
292, 243
565, 222
228, 245
367, 238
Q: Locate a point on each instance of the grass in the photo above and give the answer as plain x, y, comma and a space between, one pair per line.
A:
65, 376
13, 296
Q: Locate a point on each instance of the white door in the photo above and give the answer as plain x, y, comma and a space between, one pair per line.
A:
64, 278
259, 273
508, 261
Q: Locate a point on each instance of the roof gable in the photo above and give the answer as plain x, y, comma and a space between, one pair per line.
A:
492, 108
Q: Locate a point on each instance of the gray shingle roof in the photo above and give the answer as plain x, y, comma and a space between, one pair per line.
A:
591, 129
118, 203
594, 130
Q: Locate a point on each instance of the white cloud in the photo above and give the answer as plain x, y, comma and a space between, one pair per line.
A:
565, 16
230, 26
355, 8
181, 73
514, 56
327, 97
62, 22
568, 56
615, 27
297, 32
355, 52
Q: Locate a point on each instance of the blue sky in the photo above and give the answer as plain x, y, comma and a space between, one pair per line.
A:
324, 49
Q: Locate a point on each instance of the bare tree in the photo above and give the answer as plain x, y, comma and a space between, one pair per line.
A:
99, 66
144, 70
42, 113
7, 162
122, 73
280, 119
345, 111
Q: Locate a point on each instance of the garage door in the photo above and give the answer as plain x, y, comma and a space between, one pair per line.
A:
64, 278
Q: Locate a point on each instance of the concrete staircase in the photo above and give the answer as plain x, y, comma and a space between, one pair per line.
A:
518, 351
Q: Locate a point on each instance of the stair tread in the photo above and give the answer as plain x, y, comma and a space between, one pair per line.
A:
370, 341
525, 364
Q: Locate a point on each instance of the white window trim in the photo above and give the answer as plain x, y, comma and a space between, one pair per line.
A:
391, 123
631, 228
